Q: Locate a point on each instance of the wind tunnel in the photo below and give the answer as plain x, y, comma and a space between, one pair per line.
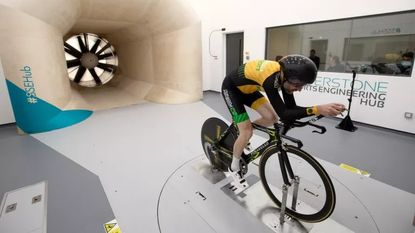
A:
157, 46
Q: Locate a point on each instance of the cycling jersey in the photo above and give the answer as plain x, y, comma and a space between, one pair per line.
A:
243, 86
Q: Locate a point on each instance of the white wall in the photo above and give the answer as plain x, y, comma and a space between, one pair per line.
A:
6, 112
253, 17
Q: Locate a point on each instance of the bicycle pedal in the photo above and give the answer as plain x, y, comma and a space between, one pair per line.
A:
237, 188
233, 188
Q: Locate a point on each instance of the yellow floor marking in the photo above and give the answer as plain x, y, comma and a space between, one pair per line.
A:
354, 170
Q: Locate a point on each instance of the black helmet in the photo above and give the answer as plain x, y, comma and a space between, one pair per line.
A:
298, 69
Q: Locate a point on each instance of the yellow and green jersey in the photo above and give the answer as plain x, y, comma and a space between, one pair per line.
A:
242, 87
251, 75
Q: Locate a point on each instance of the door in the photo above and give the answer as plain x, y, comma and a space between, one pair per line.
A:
321, 51
234, 51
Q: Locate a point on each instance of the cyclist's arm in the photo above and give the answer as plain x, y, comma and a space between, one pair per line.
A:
290, 103
287, 111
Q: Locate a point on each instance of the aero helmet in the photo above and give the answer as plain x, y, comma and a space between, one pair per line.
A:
298, 69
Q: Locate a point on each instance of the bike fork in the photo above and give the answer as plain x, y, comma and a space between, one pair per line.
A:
285, 166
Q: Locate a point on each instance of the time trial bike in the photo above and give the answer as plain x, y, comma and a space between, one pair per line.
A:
288, 173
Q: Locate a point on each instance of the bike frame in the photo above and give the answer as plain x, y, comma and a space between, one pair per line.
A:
275, 143
274, 139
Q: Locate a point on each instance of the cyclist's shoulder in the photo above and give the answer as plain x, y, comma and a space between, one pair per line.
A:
262, 62
266, 66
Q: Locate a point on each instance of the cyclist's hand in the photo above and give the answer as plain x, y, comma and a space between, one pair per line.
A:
332, 109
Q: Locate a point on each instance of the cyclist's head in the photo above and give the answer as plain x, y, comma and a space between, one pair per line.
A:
298, 69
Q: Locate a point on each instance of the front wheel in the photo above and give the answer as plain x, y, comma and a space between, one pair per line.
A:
316, 197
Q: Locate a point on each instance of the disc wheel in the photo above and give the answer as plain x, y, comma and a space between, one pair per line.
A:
211, 131
91, 60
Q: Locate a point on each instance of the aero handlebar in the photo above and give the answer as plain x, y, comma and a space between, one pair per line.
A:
283, 128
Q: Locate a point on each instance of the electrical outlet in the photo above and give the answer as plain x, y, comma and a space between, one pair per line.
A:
408, 115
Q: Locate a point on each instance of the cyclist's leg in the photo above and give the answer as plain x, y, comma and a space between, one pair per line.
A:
245, 133
234, 100
259, 103
268, 115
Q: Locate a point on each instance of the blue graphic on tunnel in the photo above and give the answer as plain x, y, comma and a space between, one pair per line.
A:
34, 115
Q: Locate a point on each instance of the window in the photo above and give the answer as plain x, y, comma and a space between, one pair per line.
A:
380, 45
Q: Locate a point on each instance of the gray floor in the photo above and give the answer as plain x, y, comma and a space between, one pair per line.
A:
76, 195
76, 199
388, 155
195, 193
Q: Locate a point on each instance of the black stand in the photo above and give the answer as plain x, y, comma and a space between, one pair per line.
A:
347, 123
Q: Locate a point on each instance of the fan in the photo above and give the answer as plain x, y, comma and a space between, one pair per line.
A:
90, 66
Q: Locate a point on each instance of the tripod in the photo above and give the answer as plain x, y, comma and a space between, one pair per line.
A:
347, 123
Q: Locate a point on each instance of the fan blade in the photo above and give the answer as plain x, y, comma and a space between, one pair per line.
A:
86, 42
72, 63
95, 46
81, 44
95, 76
103, 49
72, 51
107, 67
79, 74
105, 55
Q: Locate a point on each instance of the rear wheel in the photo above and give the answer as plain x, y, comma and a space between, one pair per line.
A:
316, 196
212, 129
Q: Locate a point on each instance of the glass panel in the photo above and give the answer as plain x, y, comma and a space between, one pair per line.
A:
325, 39
282, 41
382, 45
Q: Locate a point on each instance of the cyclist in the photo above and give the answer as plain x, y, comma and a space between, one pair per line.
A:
242, 87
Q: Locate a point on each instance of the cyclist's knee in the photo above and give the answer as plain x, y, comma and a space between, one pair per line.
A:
274, 118
268, 113
270, 116
245, 131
